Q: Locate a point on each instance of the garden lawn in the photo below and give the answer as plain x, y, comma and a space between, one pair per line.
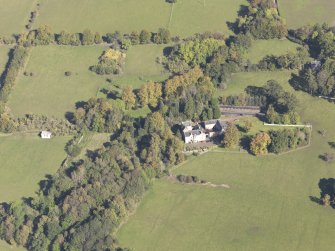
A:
301, 12
266, 208
24, 161
276, 47
14, 15
49, 91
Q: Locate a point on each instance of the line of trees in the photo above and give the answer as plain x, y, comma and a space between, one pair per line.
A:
45, 36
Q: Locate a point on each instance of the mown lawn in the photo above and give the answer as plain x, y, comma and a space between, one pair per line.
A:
14, 15
301, 12
49, 91
25, 160
261, 48
185, 18
266, 208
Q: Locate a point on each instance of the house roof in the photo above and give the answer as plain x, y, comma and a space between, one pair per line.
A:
193, 132
210, 122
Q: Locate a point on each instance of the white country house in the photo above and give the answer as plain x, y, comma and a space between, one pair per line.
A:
204, 131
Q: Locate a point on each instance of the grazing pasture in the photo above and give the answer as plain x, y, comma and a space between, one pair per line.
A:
183, 18
104, 16
25, 160
49, 91
196, 16
267, 206
52, 93
241, 80
302, 12
14, 15
276, 47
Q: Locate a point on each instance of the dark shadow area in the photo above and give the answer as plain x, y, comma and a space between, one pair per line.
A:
80, 104
331, 144
245, 142
296, 82
110, 94
233, 25
327, 187
167, 50
69, 116
255, 90
45, 184
4, 74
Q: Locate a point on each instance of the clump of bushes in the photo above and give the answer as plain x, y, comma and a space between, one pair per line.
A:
189, 179
110, 62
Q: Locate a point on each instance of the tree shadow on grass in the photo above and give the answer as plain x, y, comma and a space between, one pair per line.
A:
331, 144
326, 186
233, 26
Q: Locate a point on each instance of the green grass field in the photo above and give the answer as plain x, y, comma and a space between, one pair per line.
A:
14, 15
301, 12
267, 207
6, 247
185, 18
105, 16
49, 91
196, 16
261, 48
25, 160
239, 81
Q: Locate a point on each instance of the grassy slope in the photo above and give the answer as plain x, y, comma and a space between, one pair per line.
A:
302, 12
188, 16
49, 91
24, 161
267, 207
14, 15
261, 48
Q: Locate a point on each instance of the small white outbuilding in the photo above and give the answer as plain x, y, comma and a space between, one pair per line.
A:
46, 135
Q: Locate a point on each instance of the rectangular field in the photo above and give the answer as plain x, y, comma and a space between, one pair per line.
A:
184, 18
302, 12
105, 15
276, 47
49, 91
24, 161
197, 16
